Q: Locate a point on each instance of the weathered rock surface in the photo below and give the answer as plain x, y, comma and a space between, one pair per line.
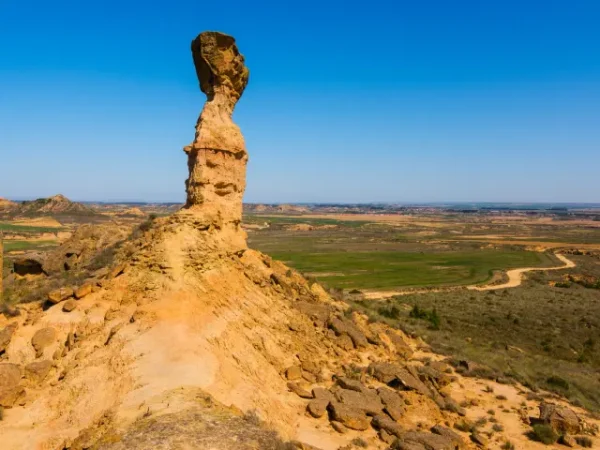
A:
83, 290
351, 417
217, 157
6, 335
37, 371
10, 375
318, 407
416, 440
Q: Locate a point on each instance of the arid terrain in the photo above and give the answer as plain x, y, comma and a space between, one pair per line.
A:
217, 325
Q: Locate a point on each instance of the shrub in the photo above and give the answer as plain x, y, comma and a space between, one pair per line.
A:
359, 442
390, 313
431, 316
508, 446
1, 413
584, 441
558, 382
544, 433
497, 427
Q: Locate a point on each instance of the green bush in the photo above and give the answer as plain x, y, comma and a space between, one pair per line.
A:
390, 313
558, 382
422, 314
508, 446
544, 433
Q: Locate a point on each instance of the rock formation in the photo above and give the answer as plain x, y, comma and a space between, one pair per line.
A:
217, 157
184, 342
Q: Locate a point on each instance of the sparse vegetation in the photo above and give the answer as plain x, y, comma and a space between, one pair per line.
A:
544, 433
584, 441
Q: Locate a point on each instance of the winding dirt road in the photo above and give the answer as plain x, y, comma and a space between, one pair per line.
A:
515, 278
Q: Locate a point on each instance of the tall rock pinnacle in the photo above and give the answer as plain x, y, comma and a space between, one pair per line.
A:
217, 158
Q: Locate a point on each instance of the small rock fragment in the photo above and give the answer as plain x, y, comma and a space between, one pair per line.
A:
298, 390
69, 306
479, 439
83, 290
339, 427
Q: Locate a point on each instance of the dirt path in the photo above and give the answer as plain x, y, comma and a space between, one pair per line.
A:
515, 278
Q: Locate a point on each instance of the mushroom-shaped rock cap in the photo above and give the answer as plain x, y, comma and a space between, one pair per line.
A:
219, 65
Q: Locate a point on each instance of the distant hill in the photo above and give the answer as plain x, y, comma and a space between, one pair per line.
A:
56, 205
6, 205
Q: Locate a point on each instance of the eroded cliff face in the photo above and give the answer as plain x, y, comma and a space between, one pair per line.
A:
217, 157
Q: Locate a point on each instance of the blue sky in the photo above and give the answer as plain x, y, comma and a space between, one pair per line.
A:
393, 101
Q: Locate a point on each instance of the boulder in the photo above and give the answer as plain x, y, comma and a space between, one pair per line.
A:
351, 384
347, 327
367, 401
299, 390
310, 367
562, 419
398, 377
339, 427
568, 440
402, 348
6, 336
448, 433
414, 440
345, 342
10, 391
382, 422
351, 417
293, 373
37, 371
58, 295
84, 290
393, 403
69, 306
322, 393
43, 338
317, 407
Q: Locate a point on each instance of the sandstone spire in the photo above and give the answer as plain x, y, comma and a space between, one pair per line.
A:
217, 158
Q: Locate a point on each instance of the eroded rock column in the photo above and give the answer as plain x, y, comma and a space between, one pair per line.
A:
217, 158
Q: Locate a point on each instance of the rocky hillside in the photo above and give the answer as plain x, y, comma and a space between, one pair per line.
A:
191, 340
6, 205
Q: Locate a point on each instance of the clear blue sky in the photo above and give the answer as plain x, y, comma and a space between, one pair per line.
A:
348, 101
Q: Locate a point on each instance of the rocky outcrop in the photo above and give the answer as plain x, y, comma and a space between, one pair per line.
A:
217, 157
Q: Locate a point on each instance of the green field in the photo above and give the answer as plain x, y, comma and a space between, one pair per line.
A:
390, 269
26, 229
10, 246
